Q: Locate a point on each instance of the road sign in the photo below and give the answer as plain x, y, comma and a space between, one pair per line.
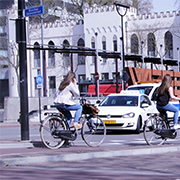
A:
34, 11
96, 76
39, 86
39, 79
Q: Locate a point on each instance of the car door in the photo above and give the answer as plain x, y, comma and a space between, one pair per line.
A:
145, 106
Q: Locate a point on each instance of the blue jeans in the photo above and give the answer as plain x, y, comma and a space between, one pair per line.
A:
171, 108
68, 115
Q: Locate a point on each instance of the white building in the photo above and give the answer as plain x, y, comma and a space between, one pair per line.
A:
151, 29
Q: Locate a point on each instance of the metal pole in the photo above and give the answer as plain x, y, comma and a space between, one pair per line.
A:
43, 68
117, 83
122, 38
23, 72
123, 56
178, 57
39, 94
96, 68
142, 52
161, 56
72, 68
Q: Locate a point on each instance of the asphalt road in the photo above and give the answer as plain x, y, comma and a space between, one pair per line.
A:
159, 166
113, 138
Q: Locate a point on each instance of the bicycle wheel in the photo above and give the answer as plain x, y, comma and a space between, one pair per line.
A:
48, 129
93, 131
152, 127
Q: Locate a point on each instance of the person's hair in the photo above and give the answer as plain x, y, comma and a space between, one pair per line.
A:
166, 83
67, 80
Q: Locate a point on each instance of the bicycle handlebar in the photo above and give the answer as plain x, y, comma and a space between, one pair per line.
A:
82, 101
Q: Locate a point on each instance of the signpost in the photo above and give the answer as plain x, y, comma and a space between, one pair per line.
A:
96, 76
39, 81
34, 11
21, 40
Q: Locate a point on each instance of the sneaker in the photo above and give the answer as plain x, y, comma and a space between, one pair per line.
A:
177, 126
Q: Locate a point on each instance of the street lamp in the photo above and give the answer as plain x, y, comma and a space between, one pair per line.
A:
118, 5
178, 57
96, 68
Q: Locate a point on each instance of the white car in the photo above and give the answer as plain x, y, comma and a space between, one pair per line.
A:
148, 88
125, 111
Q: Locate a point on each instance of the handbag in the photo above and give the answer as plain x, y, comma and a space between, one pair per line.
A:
90, 109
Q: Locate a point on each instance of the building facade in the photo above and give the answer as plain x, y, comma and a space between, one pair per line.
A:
154, 35
4, 53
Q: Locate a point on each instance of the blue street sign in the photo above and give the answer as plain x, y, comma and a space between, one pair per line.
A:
39, 79
34, 11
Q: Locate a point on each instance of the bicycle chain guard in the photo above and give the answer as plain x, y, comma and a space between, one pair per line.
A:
166, 133
66, 134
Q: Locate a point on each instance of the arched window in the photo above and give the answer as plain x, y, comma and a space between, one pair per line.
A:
66, 56
134, 44
52, 86
81, 44
51, 57
36, 55
93, 46
151, 44
168, 45
104, 47
114, 43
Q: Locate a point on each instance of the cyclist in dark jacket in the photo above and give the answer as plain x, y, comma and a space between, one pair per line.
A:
165, 93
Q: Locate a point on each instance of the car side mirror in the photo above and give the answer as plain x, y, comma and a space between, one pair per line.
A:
98, 102
144, 105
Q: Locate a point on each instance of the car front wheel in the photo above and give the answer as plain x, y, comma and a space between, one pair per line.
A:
137, 131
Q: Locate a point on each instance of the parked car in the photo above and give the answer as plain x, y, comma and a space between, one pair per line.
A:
125, 111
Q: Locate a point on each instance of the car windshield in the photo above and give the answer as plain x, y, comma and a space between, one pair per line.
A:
144, 89
120, 101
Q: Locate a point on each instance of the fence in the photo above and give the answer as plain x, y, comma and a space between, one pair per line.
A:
141, 74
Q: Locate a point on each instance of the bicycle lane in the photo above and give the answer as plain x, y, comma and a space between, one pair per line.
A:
35, 151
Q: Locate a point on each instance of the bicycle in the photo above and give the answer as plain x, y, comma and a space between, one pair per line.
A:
158, 129
55, 131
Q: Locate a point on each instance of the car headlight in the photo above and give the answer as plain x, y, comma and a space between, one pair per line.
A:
129, 115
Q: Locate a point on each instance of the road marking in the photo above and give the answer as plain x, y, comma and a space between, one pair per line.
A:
117, 140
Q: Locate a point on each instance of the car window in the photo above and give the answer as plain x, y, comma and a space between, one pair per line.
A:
120, 101
145, 99
145, 89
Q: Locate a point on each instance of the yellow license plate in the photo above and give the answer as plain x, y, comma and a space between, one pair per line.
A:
109, 121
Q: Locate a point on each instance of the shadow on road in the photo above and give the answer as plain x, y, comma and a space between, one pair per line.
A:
121, 132
38, 144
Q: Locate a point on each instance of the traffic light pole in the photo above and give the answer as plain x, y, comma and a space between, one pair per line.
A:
23, 72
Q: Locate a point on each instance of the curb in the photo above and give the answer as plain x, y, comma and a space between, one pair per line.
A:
14, 145
84, 156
